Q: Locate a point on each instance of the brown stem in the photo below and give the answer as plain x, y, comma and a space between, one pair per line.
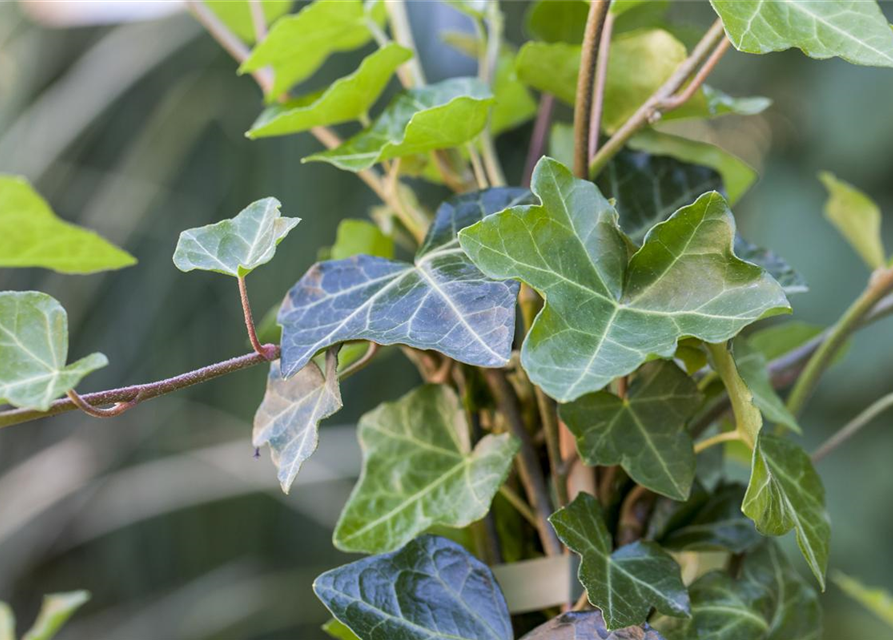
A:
598, 11
98, 412
549, 420
697, 82
360, 364
601, 76
634, 515
539, 137
264, 350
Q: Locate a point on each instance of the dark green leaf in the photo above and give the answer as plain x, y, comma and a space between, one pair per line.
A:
644, 433
716, 525
878, 601
789, 279
625, 584
236, 14
441, 302
57, 608
588, 625
752, 368
857, 218
431, 589
605, 313
355, 237
420, 470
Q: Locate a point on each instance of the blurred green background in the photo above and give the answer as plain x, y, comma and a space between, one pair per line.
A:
136, 130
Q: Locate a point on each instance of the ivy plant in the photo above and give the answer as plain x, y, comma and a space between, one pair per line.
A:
589, 334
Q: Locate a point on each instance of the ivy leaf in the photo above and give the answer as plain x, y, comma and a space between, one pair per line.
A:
236, 15
441, 302
625, 584
289, 416
588, 625
752, 368
31, 235
858, 32
878, 601
557, 20
431, 589
339, 630
57, 608
605, 313
436, 116
856, 217
419, 470
786, 493
237, 246
34, 349
355, 237
783, 273
717, 524
348, 98
299, 44
7, 623
644, 433
776, 340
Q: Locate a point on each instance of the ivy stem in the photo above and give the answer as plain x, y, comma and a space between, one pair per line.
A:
402, 32
520, 506
488, 59
879, 285
601, 76
719, 438
634, 514
478, 168
551, 428
853, 427
748, 420
598, 11
539, 137
258, 19
697, 82
98, 412
264, 350
360, 364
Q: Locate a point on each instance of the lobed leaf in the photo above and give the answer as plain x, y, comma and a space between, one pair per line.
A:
236, 14
419, 470
31, 235
624, 584
34, 349
606, 313
588, 625
431, 589
857, 218
878, 601
57, 608
643, 433
441, 302
715, 524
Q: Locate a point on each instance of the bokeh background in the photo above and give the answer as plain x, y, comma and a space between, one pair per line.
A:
136, 130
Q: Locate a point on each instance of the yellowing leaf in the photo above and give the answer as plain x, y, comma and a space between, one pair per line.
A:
236, 14
856, 217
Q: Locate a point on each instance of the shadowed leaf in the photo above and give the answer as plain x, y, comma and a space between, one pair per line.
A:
717, 524
783, 273
587, 625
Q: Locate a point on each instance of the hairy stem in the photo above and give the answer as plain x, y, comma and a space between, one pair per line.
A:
99, 412
601, 76
598, 11
539, 137
853, 426
263, 350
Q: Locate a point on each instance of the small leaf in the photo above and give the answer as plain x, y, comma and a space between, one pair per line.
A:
752, 368
431, 589
786, 493
856, 217
442, 302
7, 623
878, 601
419, 469
31, 235
339, 630
348, 98
56, 610
436, 116
237, 246
858, 32
779, 339
236, 15
34, 349
644, 433
625, 584
716, 525
586, 625
783, 273
289, 416
355, 237
605, 313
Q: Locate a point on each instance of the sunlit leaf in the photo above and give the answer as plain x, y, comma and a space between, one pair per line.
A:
34, 350
624, 584
717, 524
347, 98
878, 601
856, 217
419, 469
237, 246
441, 302
7, 623
557, 20
57, 608
858, 32
785, 493
355, 237
550, 67
340, 631
606, 313
32, 236
431, 589
236, 14
645, 432
588, 625
436, 116
752, 367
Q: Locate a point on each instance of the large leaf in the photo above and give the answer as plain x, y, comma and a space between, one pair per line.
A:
348, 98
587, 625
857, 218
420, 470
605, 313
431, 589
34, 350
624, 584
290, 413
785, 493
57, 608
878, 601
298, 45
856, 31
645, 432
32, 236
237, 246
236, 14
752, 368
441, 302
716, 524
436, 116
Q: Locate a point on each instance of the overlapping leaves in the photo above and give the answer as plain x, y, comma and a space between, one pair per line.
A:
588, 625
712, 522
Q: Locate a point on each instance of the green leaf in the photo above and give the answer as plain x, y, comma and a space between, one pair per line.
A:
289, 416
856, 217
788, 277
431, 589
440, 302
236, 15
419, 469
348, 98
355, 237
436, 116
752, 368
339, 630
583, 625
31, 235
550, 67
786, 493
56, 610
557, 20
605, 313
34, 349
237, 246
625, 584
858, 32
878, 601
777, 340
644, 433
717, 524
7, 623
